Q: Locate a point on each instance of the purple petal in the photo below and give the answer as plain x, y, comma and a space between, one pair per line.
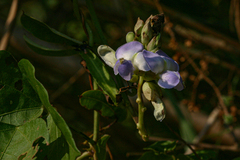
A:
127, 50
170, 64
180, 85
154, 61
161, 53
140, 63
126, 70
115, 68
169, 79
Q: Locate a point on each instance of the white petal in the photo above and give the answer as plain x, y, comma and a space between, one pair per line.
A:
107, 54
140, 63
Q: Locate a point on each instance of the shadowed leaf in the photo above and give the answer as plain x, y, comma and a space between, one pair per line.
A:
48, 51
19, 102
46, 33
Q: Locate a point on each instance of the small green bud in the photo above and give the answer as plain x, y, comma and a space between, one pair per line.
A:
130, 37
138, 27
146, 34
154, 44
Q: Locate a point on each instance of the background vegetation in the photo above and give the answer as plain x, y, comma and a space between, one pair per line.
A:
202, 36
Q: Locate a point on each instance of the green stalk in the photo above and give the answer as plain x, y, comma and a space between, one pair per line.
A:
141, 110
96, 117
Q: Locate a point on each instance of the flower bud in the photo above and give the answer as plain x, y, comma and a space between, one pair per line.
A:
138, 27
130, 36
159, 109
154, 44
146, 34
107, 54
157, 23
152, 92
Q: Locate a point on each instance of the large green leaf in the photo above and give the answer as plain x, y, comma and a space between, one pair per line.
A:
28, 71
18, 103
48, 51
99, 71
19, 140
46, 33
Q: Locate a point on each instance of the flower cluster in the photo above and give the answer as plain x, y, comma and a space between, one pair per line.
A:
142, 59
131, 59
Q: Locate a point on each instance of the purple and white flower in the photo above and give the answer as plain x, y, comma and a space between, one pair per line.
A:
131, 58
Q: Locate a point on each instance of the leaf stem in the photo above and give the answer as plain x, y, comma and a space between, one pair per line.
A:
141, 110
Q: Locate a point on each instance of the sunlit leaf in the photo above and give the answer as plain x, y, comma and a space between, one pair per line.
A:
19, 102
46, 33
28, 70
18, 140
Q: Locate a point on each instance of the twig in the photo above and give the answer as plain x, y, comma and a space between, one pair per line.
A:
210, 121
9, 25
194, 91
190, 22
109, 152
189, 146
66, 85
233, 148
209, 81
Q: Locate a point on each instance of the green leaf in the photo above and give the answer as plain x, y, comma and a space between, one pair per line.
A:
48, 51
99, 71
101, 147
28, 71
204, 154
19, 102
95, 99
162, 146
153, 156
46, 33
58, 143
18, 140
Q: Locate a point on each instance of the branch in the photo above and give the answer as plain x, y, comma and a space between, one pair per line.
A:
9, 25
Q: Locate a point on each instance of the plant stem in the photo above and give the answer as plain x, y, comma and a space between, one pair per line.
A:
141, 110
95, 125
96, 117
